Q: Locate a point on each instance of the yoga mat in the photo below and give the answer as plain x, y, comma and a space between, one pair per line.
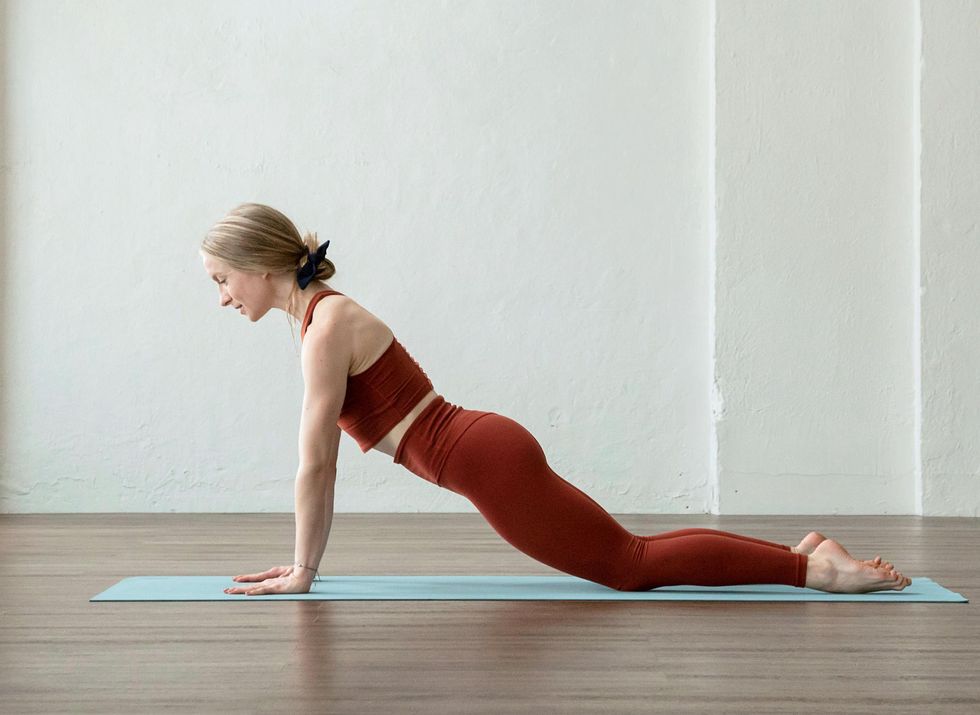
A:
496, 588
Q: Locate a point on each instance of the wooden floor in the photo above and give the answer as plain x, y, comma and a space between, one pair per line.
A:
60, 653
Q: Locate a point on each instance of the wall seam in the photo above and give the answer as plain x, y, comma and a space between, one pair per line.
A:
917, 259
716, 399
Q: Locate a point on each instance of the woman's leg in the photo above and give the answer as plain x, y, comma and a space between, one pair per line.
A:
500, 467
688, 532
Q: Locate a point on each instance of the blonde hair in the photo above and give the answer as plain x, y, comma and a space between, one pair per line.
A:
254, 238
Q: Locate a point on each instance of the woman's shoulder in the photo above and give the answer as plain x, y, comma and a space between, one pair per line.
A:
333, 306
369, 335
326, 309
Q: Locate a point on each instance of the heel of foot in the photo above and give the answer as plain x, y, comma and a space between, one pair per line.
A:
820, 574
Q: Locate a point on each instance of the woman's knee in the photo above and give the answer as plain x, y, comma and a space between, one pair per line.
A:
630, 572
633, 584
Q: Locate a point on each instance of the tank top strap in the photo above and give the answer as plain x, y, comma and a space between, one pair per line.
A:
309, 310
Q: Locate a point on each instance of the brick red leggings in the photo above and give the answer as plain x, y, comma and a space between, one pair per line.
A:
500, 467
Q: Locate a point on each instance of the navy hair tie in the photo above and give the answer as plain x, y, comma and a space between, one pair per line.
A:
305, 274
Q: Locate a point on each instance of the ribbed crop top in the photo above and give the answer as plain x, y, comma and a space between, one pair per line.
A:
378, 398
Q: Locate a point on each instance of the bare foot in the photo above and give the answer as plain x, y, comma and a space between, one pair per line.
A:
809, 543
812, 540
830, 568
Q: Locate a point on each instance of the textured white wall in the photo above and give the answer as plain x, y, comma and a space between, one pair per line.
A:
814, 257
678, 243
950, 258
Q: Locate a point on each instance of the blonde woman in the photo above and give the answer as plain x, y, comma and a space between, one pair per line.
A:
360, 379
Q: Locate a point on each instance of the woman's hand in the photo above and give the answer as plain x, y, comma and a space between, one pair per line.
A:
278, 579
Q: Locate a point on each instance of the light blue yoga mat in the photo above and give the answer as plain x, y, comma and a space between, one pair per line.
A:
496, 588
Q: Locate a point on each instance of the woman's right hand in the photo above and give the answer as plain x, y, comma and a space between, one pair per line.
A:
278, 579
274, 572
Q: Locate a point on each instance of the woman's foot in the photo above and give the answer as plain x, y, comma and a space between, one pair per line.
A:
809, 543
812, 540
830, 568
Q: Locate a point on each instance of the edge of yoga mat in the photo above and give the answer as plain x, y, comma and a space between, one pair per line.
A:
498, 588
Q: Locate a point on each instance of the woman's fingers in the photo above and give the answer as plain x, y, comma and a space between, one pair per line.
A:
271, 573
272, 585
247, 589
252, 577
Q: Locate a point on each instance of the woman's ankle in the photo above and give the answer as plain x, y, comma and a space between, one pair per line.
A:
819, 573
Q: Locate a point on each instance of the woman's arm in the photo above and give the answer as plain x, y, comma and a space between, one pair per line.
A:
327, 355
314, 515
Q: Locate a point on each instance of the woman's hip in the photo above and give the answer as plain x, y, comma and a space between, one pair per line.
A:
492, 451
433, 436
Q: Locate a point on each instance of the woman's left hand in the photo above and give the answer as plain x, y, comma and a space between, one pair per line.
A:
290, 583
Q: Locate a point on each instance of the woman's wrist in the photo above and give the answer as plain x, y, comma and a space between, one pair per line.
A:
304, 573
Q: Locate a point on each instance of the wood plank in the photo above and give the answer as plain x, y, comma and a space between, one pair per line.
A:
60, 653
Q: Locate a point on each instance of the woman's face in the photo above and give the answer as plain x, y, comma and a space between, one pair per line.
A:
246, 292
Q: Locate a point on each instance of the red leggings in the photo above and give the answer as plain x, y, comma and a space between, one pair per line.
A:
499, 466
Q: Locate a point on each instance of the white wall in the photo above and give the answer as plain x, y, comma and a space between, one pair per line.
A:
815, 252
682, 244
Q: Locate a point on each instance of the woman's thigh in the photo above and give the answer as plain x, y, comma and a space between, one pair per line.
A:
501, 468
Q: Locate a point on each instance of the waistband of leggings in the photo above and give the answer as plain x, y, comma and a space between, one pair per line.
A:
450, 446
416, 424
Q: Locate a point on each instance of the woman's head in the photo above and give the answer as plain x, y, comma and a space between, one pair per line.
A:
253, 254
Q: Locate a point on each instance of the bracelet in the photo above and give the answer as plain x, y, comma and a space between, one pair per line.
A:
317, 577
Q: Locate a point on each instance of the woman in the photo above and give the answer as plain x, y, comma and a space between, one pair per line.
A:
358, 377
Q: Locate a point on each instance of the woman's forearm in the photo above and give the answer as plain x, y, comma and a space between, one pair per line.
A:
314, 514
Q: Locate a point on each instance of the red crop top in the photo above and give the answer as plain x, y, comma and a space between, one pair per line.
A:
378, 398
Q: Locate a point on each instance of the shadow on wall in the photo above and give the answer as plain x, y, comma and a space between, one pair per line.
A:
5, 209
